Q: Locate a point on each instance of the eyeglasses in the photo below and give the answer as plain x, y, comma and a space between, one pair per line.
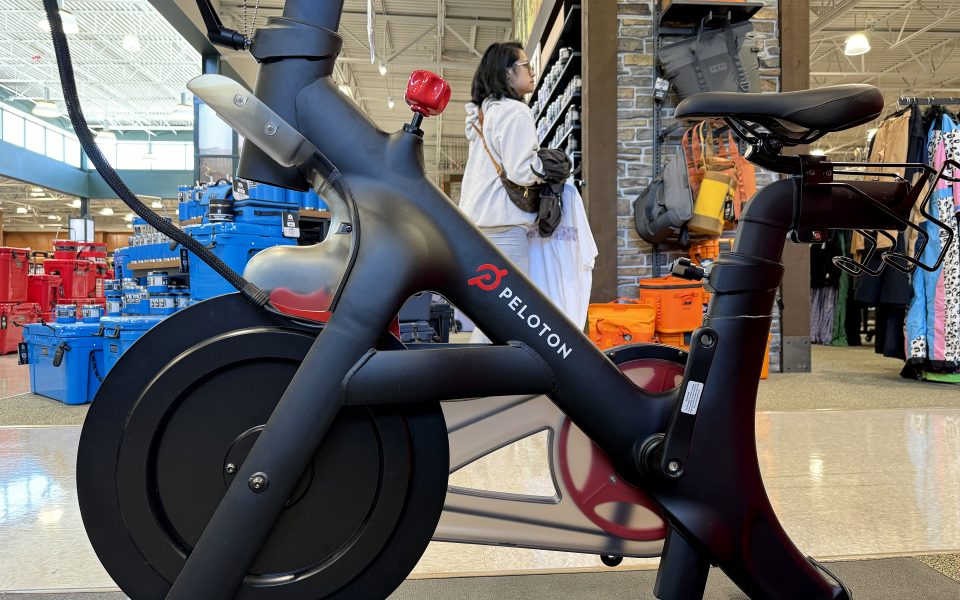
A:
524, 63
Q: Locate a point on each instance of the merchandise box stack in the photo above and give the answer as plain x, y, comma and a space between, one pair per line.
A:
82, 268
16, 310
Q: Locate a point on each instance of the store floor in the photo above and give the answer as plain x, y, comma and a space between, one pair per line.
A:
875, 475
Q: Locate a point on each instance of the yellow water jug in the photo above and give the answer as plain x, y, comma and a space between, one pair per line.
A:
708, 209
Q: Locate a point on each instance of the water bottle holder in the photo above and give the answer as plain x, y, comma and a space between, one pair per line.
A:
929, 179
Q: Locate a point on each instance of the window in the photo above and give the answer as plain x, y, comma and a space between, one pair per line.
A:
55, 145
12, 128
35, 137
130, 155
72, 152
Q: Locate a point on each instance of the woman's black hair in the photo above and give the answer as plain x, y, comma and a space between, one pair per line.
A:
490, 80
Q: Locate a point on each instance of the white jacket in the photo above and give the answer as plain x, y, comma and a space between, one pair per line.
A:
512, 138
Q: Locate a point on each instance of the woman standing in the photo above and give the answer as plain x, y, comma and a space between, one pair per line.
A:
498, 117
501, 80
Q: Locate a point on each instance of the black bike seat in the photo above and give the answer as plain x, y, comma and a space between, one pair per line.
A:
791, 115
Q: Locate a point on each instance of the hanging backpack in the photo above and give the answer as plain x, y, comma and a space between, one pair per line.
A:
666, 204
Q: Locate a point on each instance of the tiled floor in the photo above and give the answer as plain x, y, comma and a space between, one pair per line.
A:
846, 483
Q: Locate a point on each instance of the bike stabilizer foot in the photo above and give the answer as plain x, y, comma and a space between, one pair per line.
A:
683, 571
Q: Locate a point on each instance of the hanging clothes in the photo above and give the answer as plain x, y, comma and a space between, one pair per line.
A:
561, 265
933, 319
824, 282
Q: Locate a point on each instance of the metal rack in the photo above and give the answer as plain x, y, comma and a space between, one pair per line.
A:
907, 101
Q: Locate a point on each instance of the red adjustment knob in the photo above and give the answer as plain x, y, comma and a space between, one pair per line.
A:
427, 93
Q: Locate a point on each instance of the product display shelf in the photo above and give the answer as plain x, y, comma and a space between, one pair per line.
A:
571, 68
560, 116
563, 140
152, 265
680, 12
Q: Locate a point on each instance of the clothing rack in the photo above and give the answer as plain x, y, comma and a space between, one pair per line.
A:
928, 101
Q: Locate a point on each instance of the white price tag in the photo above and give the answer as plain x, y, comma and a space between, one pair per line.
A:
691, 400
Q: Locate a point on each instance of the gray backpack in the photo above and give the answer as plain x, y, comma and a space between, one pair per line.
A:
667, 203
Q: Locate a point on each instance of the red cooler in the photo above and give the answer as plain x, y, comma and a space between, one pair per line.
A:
44, 290
80, 278
12, 319
14, 268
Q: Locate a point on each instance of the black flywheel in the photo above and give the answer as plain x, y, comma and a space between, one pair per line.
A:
175, 419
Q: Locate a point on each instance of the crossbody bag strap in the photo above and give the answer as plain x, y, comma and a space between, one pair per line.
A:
496, 165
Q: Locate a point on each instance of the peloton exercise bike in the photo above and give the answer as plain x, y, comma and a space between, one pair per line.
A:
280, 443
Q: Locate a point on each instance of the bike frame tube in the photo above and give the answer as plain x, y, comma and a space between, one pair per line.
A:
410, 237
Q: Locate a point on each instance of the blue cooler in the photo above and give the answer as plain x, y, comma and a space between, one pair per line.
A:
71, 377
262, 212
268, 193
235, 244
119, 333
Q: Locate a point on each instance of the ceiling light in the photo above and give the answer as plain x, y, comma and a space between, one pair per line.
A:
39, 194
46, 108
53, 217
21, 210
156, 204
75, 204
129, 217
36, 189
182, 111
106, 211
382, 68
131, 43
105, 135
129, 226
70, 24
390, 103
817, 152
856, 45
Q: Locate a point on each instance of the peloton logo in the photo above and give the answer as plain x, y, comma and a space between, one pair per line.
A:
491, 279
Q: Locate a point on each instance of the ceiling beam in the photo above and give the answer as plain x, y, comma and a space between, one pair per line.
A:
833, 14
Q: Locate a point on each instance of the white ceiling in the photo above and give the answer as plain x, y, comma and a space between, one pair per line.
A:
914, 53
138, 91
444, 36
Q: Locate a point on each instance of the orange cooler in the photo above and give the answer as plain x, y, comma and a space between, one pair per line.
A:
679, 303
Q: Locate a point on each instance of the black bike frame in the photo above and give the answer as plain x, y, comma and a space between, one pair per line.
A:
409, 237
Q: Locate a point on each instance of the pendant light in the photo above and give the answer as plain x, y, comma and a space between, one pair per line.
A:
856, 45
45, 107
182, 111
70, 24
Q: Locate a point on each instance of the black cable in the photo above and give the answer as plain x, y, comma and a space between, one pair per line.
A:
70, 96
93, 363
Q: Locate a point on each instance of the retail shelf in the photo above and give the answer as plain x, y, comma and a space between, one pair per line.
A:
314, 214
570, 68
566, 135
681, 12
149, 265
560, 115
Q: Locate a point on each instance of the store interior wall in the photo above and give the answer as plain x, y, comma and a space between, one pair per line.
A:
43, 240
636, 137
